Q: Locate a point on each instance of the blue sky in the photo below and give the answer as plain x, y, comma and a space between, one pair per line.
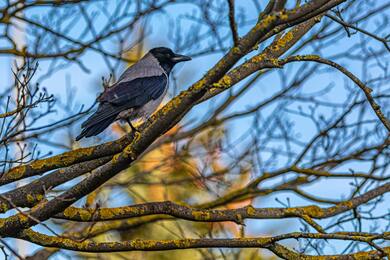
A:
85, 87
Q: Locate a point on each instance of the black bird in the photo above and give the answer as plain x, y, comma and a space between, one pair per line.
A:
137, 93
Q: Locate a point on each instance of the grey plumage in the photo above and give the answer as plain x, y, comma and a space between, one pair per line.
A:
146, 67
137, 93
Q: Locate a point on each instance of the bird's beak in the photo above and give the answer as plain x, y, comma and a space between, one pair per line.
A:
179, 58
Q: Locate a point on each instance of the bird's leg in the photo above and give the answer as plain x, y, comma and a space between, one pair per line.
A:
133, 129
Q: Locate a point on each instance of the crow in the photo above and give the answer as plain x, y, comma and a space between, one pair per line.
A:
137, 93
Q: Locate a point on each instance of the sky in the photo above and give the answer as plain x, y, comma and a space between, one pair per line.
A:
85, 90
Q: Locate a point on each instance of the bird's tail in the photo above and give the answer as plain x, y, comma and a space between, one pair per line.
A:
94, 129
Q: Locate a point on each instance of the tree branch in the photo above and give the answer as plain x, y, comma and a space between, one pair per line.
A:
367, 91
157, 245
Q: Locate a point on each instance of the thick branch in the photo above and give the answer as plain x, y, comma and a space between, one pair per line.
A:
30, 194
235, 215
157, 245
65, 159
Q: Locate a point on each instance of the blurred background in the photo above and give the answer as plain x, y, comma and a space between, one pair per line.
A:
53, 57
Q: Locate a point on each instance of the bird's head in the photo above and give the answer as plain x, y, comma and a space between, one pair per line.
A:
167, 58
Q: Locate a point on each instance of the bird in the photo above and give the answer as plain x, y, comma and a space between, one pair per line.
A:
137, 93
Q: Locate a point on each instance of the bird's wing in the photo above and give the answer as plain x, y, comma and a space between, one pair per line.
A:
135, 93
127, 94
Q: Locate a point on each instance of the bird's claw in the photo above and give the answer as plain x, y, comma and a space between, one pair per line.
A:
133, 129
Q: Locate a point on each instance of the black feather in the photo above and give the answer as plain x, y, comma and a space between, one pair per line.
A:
136, 92
120, 97
95, 129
